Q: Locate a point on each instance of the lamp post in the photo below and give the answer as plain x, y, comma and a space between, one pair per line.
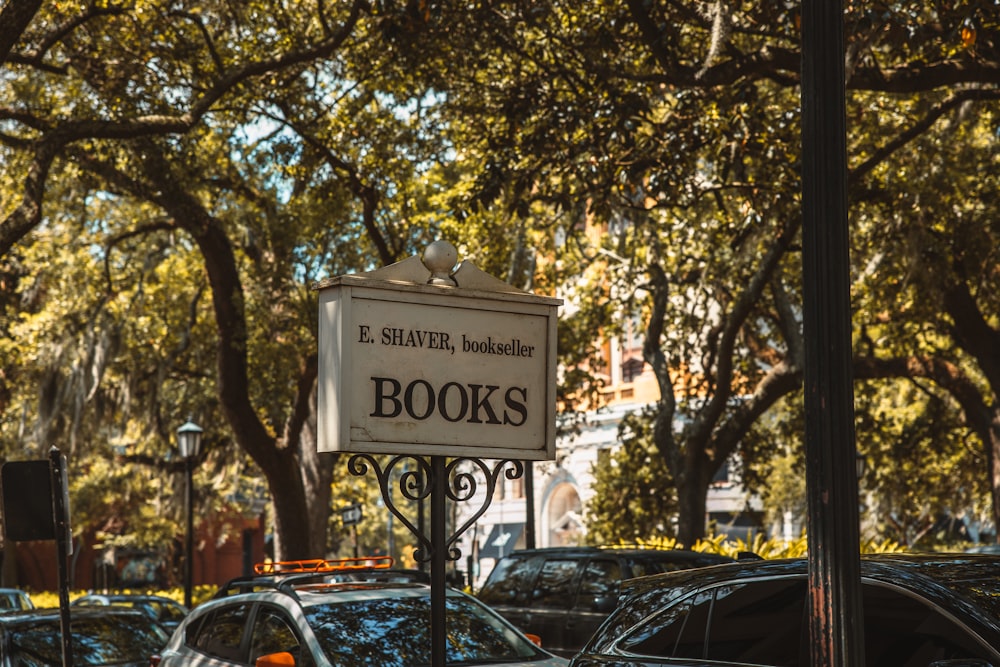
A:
189, 444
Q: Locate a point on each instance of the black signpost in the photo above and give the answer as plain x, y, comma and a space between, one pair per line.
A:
351, 515
437, 480
36, 507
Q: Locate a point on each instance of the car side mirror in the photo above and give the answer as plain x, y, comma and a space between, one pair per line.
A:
283, 659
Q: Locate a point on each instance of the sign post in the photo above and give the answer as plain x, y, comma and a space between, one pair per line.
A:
351, 516
36, 507
429, 364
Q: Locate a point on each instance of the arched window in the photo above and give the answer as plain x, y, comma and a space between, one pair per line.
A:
564, 525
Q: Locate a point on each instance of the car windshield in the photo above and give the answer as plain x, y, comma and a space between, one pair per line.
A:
395, 632
157, 609
12, 601
98, 640
166, 612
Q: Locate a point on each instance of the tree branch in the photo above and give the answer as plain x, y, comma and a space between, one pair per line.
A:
916, 130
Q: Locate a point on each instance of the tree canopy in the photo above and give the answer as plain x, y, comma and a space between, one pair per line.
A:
179, 174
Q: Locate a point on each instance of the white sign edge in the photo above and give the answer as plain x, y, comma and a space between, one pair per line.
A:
337, 417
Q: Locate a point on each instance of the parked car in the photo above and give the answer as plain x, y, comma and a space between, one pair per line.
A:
13, 599
564, 593
108, 636
984, 549
919, 611
290, 616
166, 612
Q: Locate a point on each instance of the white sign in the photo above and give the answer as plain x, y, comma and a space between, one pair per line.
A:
408, 367
351, 515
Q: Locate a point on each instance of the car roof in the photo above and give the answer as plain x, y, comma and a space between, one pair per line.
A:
960, 572
321, 581
306, 595
126, 597
29, 616
633, 551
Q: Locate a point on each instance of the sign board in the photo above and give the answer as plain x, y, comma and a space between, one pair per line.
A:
36, 500
27, 501
412, 367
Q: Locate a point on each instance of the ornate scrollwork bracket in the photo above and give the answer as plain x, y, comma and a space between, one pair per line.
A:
416, 479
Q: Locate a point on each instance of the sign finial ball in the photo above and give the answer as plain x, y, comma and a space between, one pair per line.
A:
439, 258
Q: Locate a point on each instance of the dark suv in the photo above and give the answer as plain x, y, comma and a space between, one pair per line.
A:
563, 593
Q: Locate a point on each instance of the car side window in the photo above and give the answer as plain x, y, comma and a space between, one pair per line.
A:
642, 568
757, 623
220, 634
903, 631
760, 622
676, 632
599, 585
511, 582
273, 633
554, 588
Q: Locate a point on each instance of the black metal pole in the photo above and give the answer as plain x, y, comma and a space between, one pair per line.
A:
421, 521
431, 481
189, 538
529, 505
60, 518
439, 635
836, 622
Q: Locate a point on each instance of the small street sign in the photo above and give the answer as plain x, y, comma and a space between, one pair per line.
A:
351, 515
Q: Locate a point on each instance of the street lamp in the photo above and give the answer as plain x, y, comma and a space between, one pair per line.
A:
189, 444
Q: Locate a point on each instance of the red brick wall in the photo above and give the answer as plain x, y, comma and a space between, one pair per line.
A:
216, 560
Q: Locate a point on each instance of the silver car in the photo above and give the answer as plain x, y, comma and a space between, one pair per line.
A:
313, 621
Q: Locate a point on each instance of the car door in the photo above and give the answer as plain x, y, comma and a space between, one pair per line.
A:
548, 611
274, 632
510, 589
905, 630
596, 597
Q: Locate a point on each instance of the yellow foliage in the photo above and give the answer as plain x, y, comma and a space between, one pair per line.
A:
199, 594
769, 548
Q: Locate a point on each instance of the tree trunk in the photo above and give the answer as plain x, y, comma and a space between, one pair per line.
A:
993, 460
291, 515
282, 461
977, 337
692, 505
